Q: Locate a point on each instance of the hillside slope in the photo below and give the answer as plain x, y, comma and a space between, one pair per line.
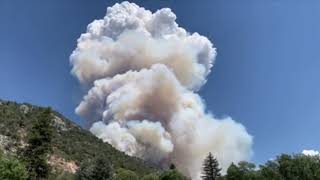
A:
72, 145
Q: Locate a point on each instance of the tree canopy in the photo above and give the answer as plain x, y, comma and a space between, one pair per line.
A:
39, 146
284, 167
99, 169
11, 168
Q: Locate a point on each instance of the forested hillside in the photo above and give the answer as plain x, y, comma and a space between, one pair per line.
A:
71, 145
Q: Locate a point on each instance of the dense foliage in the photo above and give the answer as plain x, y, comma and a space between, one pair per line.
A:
242, 171
172, 175
151, 177
99, 169
124, 174
39, 146
11, 168
284, 167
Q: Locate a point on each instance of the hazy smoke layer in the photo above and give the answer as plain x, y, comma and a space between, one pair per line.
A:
144, 70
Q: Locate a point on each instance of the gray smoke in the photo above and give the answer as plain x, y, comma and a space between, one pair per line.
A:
144, 71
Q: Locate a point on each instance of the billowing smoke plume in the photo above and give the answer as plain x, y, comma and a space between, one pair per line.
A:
144, 71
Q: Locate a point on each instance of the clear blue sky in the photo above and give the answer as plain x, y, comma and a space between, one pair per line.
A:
267, 73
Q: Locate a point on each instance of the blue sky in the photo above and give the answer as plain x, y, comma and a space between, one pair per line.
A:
266, 74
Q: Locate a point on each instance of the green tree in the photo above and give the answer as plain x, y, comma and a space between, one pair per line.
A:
39, 146
284, 167
85, 171
172, 175
99, 169
124, 174
293, 167
244, 171
61, 175
11, 169
270, 171
211, 170
151, 177
233, 173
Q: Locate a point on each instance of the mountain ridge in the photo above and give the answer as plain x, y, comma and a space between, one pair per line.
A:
72, 145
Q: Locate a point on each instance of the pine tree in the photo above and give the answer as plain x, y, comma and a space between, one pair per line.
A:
211, 170
39, 146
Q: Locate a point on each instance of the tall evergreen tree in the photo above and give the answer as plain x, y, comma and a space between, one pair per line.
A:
210, 170
39, 146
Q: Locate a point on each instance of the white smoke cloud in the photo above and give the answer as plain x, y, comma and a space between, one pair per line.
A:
311, 152
144, 71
